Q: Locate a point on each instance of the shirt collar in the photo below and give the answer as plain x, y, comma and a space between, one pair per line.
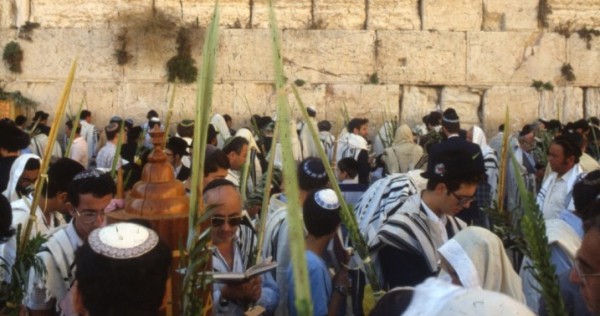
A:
74, 238
432, 216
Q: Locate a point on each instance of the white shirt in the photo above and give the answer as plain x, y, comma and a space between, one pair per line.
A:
106, 155
439, 221
556, 193
79, 151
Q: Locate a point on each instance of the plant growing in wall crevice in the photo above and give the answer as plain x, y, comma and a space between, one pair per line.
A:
121, 53
13, 56
26, 30
181, 66
567, 72
587, 36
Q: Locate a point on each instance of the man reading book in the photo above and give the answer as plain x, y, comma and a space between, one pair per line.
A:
224, 200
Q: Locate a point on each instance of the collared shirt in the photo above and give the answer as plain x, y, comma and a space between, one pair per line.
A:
556, 198
106, 155
439, 221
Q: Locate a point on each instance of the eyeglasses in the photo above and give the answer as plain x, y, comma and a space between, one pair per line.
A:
582, 276
90, 216
463, 200
218, 221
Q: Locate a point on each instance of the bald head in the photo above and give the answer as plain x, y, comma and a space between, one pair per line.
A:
221, 194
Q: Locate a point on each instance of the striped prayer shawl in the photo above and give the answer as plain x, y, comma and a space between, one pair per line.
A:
247, 243
415, 233
382, 200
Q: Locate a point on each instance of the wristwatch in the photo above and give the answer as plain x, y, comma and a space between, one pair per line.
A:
342, 289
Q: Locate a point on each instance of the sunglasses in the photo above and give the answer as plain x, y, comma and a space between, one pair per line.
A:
463, 200
218, 221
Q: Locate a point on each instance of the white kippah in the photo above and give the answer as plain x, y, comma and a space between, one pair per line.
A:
327, 199
123, 240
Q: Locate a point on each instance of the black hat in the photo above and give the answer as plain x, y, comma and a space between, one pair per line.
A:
177, 145
453, 163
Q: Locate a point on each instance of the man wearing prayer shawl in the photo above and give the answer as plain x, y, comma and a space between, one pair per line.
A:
404, 153
406, 246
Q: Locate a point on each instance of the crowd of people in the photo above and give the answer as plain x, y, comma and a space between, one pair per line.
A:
426, 199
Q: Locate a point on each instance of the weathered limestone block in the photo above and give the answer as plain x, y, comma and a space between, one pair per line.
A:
510, 15
102, 98
576, 13
424, 58
418, 102
585, 61
592, 102
328, 56
511, 57
234, 13
151, 52
394, 15
253, 98
49, 55
89, 13
564, 104
454, 15
291, 14
311, 95
465, 101
46, 94
369, 101
523, 103
244, 55
339, 14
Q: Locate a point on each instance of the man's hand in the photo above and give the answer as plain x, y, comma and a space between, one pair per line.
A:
246, 291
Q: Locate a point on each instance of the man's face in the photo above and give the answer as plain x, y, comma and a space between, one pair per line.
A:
237, 160
363, 130
27, 178
89, 215
556, 159
170, 156
527, 142
588, 261
226, 215
456, 201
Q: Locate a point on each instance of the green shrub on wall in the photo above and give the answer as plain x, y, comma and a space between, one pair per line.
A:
13, 56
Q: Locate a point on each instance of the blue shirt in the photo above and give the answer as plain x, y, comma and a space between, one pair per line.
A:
320, 285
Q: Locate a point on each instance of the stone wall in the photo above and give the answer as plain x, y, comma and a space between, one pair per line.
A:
376, 57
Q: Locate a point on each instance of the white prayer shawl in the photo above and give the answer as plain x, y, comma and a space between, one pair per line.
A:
383, 137
309, 146
255, 173
439, 298
404, 154
296, 151
381, 200
490, 160
328, 142
223, 130
558, 233
354, 145
89, 134
478, 257
513, 197
39, 143
58, 257
15, 173
568, 199
342, 144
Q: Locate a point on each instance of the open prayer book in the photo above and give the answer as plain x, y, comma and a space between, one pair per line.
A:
238, 277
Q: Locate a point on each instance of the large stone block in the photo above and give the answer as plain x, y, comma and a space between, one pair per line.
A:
510, 57
84, 14
418, 102
46, 94
394, 15
329, 56
453, 15
253, 98
592, 102
233, 13
510, 15
245, 55
574, 13
49, 55
564, 104
374, 102
585, 60
339, 14
522, 102
465, 101
311, 95
291, 14
423, 58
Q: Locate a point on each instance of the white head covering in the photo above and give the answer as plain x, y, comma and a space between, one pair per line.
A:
478, 257
403, 135
223, 130
358, 142
15, 173
247, 134
438, 298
